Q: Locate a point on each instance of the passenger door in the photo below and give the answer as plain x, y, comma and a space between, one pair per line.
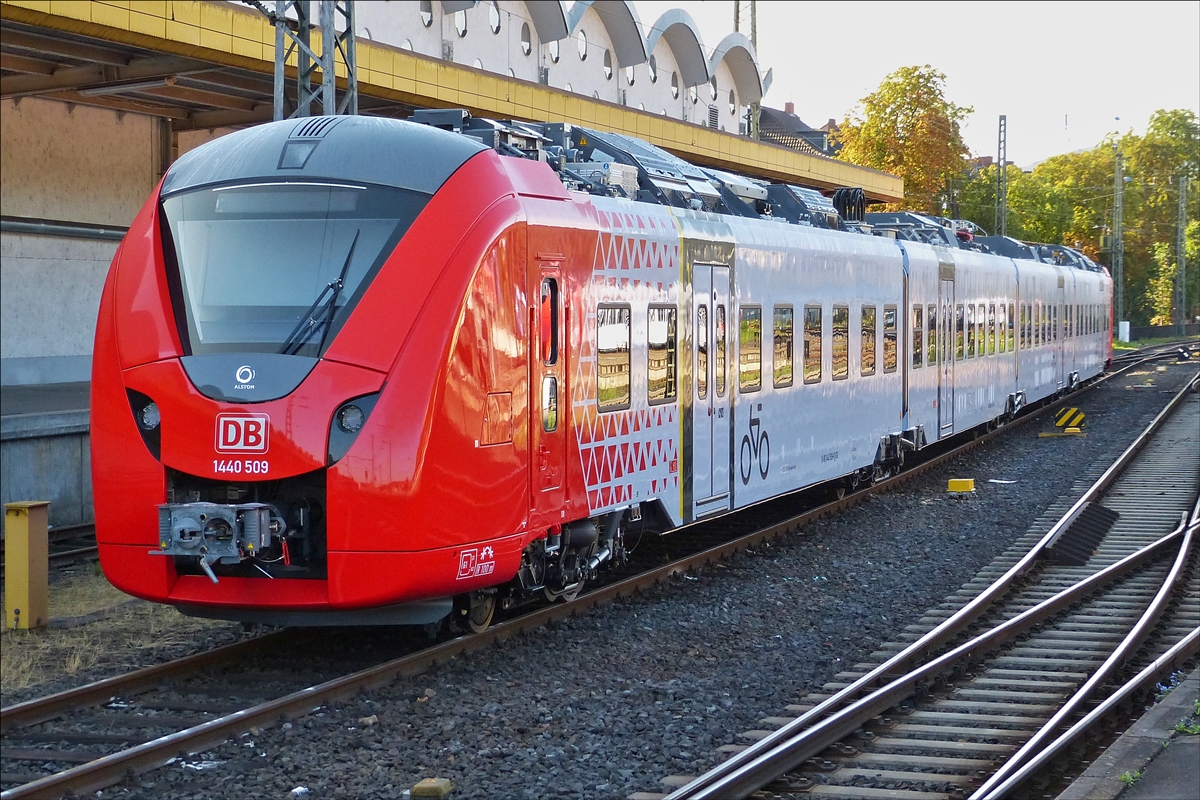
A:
710, 388
550, 400
945, 352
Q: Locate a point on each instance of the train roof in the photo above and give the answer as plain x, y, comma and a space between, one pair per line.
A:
376, 150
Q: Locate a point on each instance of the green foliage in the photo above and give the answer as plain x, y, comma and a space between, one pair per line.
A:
1189, 727
910, 129
1068, 199
1130, 778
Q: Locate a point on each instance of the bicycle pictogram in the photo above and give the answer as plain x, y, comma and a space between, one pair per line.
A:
755, 447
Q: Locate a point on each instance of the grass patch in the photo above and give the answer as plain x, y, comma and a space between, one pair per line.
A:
135, 635
1140, 343
1130, 778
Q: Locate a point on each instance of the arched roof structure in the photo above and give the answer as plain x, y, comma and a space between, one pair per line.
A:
549, 17
621, 22
682, 35
738, 53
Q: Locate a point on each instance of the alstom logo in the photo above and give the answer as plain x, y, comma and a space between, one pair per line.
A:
243, 433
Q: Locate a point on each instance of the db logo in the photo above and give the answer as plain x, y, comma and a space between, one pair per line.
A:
243, 433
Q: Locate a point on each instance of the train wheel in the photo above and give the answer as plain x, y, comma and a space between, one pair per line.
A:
481, 610
567, 595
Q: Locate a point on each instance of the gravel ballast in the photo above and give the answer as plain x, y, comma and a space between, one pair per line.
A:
612, 701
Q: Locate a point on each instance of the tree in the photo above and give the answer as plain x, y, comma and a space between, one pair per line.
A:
1068, 199
910, 129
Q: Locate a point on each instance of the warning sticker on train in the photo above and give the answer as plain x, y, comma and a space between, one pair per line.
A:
476, 563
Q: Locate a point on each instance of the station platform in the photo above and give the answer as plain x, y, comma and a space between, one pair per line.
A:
1156, 761
44, 399
44, 443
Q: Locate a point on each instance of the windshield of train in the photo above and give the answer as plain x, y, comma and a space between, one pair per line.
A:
277, 267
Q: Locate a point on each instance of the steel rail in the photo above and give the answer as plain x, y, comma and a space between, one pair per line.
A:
31, 712
750, 776
1040, 742
941, 634
112, 768
1133, 640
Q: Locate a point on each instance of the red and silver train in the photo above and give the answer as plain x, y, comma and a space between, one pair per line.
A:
352, 370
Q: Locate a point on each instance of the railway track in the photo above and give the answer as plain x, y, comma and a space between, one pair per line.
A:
68, 544
92, 737
991, 698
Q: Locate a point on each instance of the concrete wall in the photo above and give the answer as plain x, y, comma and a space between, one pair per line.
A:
75, 163
46, 457
51, 292
70, 164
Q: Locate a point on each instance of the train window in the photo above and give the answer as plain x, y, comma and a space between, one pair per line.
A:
931, 337
549, 321
867, 343
612, 357
991, 323
918, 334
1000, 328
812, 344
889, 339
660, 355
549, 403
278, 247
1024, 326
702, 352
1036, 317
970, 330
841, 343
784, 352
1054, 322
958, 332
1012, 321
719, 361
981, 330
750, 348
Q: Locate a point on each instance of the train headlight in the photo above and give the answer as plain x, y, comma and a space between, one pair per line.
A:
350, 418
149, 417
346, 423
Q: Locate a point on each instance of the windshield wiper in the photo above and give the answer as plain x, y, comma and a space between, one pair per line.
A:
320, 314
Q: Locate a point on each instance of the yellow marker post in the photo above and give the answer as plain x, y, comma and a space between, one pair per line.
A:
26, 564
961, 485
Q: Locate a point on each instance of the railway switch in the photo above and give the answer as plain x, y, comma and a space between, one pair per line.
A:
26, 564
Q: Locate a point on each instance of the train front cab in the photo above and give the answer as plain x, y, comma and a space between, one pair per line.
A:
430, 495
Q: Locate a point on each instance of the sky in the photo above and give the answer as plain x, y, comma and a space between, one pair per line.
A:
1066, 74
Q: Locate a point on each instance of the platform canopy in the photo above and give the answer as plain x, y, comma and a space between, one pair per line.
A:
208, 65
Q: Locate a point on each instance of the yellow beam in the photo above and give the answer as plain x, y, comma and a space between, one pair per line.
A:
224, 35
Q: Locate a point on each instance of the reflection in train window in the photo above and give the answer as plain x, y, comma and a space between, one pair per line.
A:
549, 321
1012, 321
549, 403
702, 352
867, 342
812, 344
750, 348
958, 332
841, 342
660, 354
719, 360
991, 329
931, 338
783, 349
889, 339
970, 330
612, 357
1000, 326
918, 335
